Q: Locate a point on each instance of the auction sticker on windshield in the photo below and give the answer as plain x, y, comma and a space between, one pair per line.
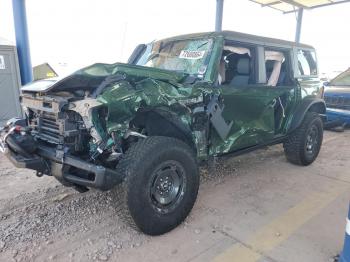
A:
187, 54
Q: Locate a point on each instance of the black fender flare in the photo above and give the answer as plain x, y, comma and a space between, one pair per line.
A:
307, 105
163, 122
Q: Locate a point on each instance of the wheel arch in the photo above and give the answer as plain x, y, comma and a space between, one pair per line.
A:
163, 122
316, 105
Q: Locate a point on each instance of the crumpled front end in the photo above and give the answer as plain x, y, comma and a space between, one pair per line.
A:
81, 126
56, 139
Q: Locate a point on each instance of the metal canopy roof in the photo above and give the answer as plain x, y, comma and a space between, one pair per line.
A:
288, 6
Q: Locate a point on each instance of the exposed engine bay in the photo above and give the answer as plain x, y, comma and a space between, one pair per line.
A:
51, 120
78, 128
58, 137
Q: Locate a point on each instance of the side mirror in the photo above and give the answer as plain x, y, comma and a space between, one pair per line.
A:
139, 49
326, 83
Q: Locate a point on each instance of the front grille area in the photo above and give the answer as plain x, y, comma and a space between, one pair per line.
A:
64, 128
340, 102
48, 128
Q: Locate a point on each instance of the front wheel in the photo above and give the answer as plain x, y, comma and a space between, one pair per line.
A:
303, 145
161, 183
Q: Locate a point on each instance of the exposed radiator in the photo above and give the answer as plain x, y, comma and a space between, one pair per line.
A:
47, 128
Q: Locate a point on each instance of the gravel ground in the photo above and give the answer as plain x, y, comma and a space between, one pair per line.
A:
41, 220
38, 219
34, 223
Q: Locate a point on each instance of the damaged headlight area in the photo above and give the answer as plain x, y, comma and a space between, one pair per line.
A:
67, 139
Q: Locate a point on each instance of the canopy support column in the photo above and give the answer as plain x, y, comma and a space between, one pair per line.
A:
22, 41
219, 12
299, 23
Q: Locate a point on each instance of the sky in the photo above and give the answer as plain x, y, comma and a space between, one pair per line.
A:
70, 34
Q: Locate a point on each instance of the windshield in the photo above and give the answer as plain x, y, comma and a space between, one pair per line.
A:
187, 56
342, 80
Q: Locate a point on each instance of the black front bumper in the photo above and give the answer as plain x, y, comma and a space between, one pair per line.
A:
99, 177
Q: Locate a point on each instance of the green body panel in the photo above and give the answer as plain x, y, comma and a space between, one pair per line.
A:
307, 88
310, 87
251, 109
152, 88
212, 71
123, 100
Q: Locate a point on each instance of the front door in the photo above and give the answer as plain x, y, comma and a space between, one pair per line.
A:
251, 114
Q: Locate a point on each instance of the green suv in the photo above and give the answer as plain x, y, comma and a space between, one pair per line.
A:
177, 102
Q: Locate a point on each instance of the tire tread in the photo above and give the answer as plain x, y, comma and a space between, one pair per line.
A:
132, 160
294, 145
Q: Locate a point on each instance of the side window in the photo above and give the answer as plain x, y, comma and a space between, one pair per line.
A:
236, 66
307, 65
276, 66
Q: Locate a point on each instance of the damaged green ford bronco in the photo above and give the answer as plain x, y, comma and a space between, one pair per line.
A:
177, 102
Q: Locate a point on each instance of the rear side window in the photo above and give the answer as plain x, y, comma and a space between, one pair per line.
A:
307, 63
275, 67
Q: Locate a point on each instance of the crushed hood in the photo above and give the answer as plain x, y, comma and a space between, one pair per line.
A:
39, 85
91, 77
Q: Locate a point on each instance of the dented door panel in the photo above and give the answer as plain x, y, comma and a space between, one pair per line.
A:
252, 112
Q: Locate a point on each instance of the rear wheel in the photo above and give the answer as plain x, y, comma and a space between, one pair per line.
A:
304, 144
161, 183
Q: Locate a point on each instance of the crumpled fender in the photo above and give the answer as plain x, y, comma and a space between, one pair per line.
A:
125, 98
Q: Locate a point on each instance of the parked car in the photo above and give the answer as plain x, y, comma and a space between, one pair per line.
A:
337, 97
178, 101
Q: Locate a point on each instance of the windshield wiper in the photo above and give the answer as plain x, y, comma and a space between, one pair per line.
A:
202, 45
191, 79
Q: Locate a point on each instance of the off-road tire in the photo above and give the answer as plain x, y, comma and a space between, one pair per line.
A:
138, 166
295, 147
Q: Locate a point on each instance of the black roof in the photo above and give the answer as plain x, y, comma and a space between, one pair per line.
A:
242, 37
